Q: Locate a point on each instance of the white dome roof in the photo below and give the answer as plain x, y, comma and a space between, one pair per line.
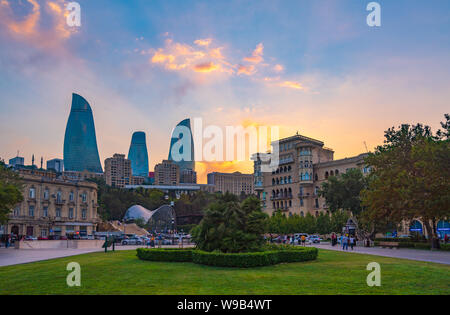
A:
137, 211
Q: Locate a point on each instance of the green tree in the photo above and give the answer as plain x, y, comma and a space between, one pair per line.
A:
343, 192
411, 177
230, 226
10, 192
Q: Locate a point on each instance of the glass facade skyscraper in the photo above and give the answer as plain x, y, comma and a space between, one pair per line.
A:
138, 154
183, 159
80, 142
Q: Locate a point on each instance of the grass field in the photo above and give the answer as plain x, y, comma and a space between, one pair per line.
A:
123, 273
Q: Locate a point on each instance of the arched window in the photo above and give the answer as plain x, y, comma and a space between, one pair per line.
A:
290, 203
326, 175
331, 173
289, 179
336, 172
302, 214
316, 177
273, 181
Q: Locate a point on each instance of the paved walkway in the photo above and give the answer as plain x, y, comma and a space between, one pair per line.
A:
12, 256
440, 257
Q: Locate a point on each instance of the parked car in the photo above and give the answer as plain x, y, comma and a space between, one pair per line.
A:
312, 239
30, 238
132, 241
42, 238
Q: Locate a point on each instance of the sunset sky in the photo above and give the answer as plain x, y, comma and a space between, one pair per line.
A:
310, 66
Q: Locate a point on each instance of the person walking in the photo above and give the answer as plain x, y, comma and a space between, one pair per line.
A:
352, 241
303, 240
345, 242
446, 238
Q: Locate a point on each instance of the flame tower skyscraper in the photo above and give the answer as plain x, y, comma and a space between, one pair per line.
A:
80, 142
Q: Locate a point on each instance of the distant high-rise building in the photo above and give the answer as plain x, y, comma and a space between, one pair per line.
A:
56, 164
184, 160
118, 171
188, 176
138, 154
167, 173
17, 161
80, 142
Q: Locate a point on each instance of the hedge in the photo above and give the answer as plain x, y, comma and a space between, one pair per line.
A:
445, 247
242, 260
255, 259
165, 254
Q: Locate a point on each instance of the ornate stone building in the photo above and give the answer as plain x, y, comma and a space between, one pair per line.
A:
303, 164
54, 206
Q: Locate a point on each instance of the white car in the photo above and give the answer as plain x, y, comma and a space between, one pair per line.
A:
313, 239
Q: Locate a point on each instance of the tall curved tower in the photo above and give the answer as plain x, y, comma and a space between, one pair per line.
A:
138, 154
183, 128
80, 142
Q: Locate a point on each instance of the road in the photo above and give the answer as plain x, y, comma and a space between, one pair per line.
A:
440, 257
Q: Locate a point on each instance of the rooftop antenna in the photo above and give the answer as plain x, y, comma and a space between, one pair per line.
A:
365, 144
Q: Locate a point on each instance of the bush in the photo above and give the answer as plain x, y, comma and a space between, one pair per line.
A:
422, 245
297, 255
255, 259
243, 260
165, 254
445, 247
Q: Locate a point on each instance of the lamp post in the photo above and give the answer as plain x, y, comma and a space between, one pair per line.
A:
173, 231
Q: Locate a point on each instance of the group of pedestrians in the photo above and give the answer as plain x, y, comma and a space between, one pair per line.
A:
346, 241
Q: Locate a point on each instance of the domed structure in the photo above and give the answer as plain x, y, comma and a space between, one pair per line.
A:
136, 212
160, 219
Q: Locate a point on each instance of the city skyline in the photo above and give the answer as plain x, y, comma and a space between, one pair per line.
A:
146, 66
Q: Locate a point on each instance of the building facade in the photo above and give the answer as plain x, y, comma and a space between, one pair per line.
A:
138, 154
54, 207
56, 164
235, 183
17, 161
293, 185
80, 142
167, 173
188, 176
118, 171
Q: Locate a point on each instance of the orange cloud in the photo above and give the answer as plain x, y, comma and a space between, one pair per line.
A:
257, 54
203, 42
292, 85
247, 70
206, 67
29, 28
278, 68
25, 27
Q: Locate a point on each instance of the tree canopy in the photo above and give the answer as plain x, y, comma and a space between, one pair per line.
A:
411, 176
10, 192
231, 226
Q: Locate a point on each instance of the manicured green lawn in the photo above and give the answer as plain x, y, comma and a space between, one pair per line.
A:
123, 273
